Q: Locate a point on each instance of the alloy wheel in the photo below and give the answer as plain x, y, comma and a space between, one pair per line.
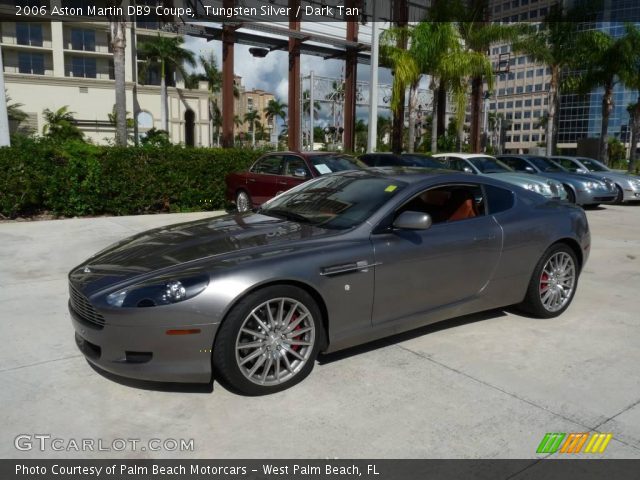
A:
557, 281
275, 341
242, 202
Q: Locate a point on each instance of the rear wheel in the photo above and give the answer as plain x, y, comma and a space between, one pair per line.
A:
269, 341
553, 283
243, 201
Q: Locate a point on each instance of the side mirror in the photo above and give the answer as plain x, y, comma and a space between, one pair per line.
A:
467, 170
582, 170
412, 221
300, 173
529, 169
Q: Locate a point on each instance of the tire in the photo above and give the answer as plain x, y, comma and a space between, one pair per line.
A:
592, 206
243, 201
279, 357
571, 196
619, 196
540, 300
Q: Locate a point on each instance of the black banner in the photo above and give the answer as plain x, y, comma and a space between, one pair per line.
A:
319, 469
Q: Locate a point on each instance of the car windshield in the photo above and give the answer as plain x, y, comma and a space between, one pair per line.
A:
489, 165
546, 165
421, 161
336, 201
593, 165
325, 164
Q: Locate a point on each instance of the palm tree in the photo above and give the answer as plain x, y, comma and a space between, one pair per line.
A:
14, 112
630, 76
117, 30
169, 55
252, 118
384, 129
306, 101
273, 110
61, 125
602, 60
478, 34
553, 45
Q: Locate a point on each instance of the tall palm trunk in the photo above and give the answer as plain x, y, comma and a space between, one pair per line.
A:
607, 106
476, 113
434, 115
553, 103
118, 44
253, 135
164, 107
413, 99
442, 108
635, 136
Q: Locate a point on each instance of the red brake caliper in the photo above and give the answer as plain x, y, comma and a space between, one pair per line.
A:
544, 281
298, 327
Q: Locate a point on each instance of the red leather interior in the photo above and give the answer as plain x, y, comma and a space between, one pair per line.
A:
465, 210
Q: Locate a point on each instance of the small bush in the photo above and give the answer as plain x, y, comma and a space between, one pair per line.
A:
76, 178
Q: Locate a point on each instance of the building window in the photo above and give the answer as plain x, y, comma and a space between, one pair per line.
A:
32, 63
29, 34
522, 60
83, 39
537, 113
510, 91
527, 103
525, 138
517, 127
537, 102
500, 105
516, 138
517, 115
520, 89
518, 103
520, 75
530, 73
512, 76
526, 126
529, 88
509, 104
83, 67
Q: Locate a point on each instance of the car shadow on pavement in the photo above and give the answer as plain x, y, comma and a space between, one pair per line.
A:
411, 334
155, 386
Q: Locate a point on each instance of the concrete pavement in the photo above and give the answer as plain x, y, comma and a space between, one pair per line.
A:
488, 385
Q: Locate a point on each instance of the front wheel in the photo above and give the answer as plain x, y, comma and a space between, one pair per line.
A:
269, 341
571, 196
619, 195
553, 283
243, 201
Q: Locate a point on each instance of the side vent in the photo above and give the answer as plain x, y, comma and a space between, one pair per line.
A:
84, 89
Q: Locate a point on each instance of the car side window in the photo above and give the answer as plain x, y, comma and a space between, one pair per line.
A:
566, 163
455, 164
271, 165
449, 203
498, 199
516, 163
296, 164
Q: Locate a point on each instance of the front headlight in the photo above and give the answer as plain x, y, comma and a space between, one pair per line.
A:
159, 292
591, 185
536, 187
635, 183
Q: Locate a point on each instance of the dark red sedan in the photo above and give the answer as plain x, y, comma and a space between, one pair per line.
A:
276, 172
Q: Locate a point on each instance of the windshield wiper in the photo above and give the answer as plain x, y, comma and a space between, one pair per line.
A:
285, 214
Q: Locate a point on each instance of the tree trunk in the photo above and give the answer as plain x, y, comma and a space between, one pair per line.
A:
413, 98
253, 136
434, 116
164, 107
442, 108
607, 105
635, 136
118, 44
553, 102
476, 113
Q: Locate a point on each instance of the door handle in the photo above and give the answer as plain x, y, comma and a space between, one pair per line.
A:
282, 182
251, 180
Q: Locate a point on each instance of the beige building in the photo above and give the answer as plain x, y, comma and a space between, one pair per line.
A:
48, 65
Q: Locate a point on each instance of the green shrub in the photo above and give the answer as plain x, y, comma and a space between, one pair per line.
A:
76, 178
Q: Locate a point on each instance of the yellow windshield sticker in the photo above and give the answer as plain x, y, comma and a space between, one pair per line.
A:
390, 188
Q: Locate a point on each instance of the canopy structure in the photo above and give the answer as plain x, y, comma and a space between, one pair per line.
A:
289, 36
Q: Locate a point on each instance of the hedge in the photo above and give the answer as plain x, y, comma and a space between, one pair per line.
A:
75, 178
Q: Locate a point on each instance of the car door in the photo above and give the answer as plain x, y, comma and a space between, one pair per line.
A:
262, 180
295, 172
422, 270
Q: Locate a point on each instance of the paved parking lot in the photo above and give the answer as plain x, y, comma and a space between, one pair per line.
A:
488, 385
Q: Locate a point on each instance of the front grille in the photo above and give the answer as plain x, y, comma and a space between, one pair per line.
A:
83, 308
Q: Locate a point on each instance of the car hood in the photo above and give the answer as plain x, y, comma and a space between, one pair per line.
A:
615, 176
162, 248
570, 176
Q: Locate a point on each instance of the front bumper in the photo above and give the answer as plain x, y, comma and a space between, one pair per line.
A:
147, 353
594, 196
630, 195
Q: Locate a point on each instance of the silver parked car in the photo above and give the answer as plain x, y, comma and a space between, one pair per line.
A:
340, 260
481, 164
627, 186
581, 189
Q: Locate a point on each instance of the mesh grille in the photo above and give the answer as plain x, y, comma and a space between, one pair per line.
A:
83, 308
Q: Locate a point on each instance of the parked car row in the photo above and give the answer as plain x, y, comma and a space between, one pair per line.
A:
578, 180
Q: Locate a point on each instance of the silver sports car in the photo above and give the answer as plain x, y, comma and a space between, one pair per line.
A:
251, 299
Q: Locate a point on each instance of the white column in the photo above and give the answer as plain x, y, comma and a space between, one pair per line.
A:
57, 47
5, 140
311, 99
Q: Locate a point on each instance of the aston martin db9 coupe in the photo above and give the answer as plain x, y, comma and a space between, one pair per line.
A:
251, 299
